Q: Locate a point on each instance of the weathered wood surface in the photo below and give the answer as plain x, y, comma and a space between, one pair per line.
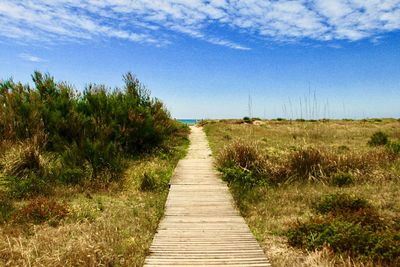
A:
201, 226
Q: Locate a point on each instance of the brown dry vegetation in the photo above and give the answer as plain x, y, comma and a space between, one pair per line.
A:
108, 227
280, 150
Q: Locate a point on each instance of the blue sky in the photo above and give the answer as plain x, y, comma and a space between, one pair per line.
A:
306, 58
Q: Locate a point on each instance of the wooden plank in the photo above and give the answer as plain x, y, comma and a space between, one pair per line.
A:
201, 227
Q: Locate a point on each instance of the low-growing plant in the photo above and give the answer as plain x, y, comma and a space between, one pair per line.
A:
378, 139
240, 176
242, 162
31, 185
351, 239
393, 148
342, 179
247, 120
340, 203
349, 225
39, 210
6, 209
152, 182
73, 175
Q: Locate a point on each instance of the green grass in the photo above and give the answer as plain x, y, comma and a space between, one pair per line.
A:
272, 211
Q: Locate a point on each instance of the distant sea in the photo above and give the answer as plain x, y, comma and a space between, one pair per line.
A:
188, 121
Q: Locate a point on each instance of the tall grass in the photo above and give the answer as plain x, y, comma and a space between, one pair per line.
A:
241, 159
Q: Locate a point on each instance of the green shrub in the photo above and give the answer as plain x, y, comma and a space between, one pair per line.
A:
349, 226
72, 175
393, 148
103, 157
247, 120
242, 162
92, 131
340, 203
239, 176
6, 209
378, 139
348, 238
28, 186
342, 179
152, 182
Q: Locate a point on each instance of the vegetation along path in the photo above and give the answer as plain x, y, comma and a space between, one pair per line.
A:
201, 225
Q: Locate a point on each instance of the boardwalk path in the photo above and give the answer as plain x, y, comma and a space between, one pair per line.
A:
201, 226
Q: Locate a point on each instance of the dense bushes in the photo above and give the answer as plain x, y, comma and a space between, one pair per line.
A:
86, 135
378, 139
351, 226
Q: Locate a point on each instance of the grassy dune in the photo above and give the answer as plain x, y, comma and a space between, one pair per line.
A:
294, 170
83, 176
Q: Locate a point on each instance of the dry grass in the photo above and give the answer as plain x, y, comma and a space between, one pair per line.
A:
280, 136
113, 226
271, 211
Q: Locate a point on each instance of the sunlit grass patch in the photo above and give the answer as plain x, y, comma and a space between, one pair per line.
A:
310, 161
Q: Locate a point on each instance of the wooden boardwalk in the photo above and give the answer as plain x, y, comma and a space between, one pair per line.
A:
201, 226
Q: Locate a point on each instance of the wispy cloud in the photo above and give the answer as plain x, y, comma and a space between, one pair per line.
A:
30, 58
157, 21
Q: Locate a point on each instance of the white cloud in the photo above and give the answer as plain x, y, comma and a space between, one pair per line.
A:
157, 21
30, 58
